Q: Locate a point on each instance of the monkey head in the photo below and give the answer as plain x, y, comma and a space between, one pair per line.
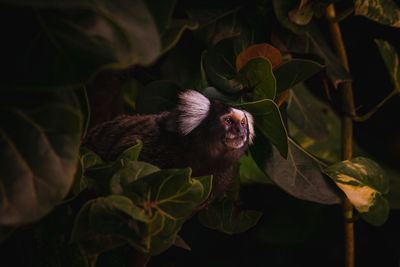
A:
229, 128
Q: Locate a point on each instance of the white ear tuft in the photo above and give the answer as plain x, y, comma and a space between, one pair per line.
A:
250, 123
193, 108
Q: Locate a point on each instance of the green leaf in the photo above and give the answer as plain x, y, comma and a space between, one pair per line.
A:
39, 151
364, 184
391, 59
307, 114
158, 96
268, 121
130, 172
294, 71
171, 192
300, 174
250, 173
324, 144
90, 158
383, 11
64, 47
130, 154
257, 75
225, 217
150, 214
206, 182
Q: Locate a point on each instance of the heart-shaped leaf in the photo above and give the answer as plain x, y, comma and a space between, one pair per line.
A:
257, 76
300, 174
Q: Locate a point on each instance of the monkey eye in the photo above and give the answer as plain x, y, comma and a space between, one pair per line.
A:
228, 120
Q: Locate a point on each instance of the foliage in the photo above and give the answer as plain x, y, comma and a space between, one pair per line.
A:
257, 56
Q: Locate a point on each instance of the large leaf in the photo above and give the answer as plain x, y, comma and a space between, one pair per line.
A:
306, 113
300, 174
382, 11
268, 121
224, 216
66, 43
293, 72
364, 184
391, 59
257, 76
39, 149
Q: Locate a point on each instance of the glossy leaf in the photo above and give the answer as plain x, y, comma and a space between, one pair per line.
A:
391, 59
259, 50
225, 217
257, 76
268, 121
293, 72
39, 152
364, 184
300, 174
382, 11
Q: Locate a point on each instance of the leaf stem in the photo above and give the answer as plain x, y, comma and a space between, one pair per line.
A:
368, 115
347, 130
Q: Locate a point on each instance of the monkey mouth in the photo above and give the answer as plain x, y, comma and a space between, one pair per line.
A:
235, 142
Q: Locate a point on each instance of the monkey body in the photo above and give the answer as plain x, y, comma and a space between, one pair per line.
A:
207, 136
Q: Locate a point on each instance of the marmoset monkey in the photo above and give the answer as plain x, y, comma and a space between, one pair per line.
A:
207, 135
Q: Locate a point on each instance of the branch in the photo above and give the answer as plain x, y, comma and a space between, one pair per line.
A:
347, 131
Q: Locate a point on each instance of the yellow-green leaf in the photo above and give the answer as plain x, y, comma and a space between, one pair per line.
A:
364, 184
382, 11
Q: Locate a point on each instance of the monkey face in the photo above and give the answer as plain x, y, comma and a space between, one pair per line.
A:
236, 128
